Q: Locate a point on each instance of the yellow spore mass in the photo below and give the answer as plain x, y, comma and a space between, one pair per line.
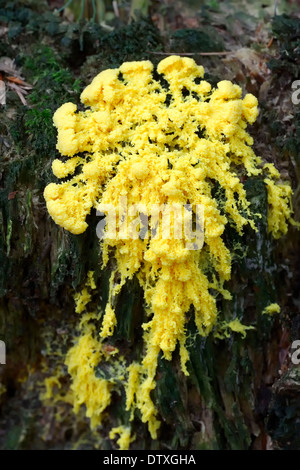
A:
271, 309
158, 137
2, 389
235, 325
125, 438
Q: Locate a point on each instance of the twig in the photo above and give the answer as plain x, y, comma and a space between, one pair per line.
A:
20, 95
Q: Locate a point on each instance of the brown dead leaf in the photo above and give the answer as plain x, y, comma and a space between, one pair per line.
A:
18, 81
7, 66
12, 195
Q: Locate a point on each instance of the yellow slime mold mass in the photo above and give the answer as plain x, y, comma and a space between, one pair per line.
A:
158, 137
87, 389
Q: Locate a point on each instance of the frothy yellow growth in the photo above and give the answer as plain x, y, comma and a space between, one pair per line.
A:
81, 300
271, 309
50, 383
132, 387
238, 327
130, 130
90, 280
95, 393
225, 328
158, 137
140, 383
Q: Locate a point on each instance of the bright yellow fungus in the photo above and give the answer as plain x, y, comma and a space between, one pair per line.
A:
224, 329
157, 137
2, 389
